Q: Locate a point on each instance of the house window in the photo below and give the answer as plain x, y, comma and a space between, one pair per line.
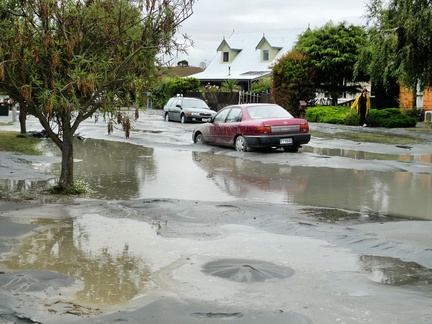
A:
225, 57
265, 54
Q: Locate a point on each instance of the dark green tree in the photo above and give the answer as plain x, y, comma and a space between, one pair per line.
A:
293, 80
183, 63
172, 86
401, 31
334, 51
63, 60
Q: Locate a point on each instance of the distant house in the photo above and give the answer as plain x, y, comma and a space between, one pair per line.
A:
247, 57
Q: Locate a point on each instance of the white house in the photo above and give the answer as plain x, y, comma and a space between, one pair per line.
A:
246, 57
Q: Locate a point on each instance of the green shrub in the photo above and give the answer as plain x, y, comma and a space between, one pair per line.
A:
327, 114
414, 112
171, 86
352, 118
389, 117
261, 85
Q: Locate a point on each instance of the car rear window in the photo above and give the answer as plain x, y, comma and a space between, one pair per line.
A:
194, 104
268, 111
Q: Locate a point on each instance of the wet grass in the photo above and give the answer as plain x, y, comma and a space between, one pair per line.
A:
13, 142
381, 138
334, 215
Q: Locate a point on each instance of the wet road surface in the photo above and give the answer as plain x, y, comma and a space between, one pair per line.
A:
339, 233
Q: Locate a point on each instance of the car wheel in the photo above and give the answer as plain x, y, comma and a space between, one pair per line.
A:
167, 117
199, 138
240, 144
182, 118
292, 149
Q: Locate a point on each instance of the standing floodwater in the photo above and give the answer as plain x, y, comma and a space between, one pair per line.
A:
117, 171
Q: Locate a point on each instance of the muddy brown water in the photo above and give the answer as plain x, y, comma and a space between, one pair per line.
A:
118, 171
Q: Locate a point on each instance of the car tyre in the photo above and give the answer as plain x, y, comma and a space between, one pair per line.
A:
240, 144
182, 118
167, 117
199, 138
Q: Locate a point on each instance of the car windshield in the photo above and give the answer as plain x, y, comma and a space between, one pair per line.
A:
268, 111
194, 104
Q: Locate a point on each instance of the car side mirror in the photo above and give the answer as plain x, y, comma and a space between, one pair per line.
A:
179, 106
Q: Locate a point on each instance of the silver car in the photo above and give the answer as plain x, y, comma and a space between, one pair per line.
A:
186, 109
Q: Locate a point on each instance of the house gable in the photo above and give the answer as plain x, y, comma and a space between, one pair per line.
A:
247, 57
227, 53
268, 49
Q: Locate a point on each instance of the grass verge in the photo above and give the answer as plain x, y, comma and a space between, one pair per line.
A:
12, 142
371, 137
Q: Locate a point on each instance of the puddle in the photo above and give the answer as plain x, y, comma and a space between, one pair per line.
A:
25, 188
109, 276
393, 271
399, 194
362, 155
118, 171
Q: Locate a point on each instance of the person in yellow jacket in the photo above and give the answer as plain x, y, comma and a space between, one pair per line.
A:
362, 104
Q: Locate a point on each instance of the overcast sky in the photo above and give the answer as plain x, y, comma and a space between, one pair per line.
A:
213, 19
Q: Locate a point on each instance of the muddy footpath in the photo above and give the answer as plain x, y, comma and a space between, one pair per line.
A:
237, 255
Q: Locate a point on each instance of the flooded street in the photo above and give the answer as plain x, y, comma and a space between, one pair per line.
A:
116, 170
173, 232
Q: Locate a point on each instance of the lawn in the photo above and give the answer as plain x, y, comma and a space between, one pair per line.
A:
12, 142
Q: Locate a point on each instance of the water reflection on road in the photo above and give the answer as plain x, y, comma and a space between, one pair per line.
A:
391, 193
122, 171
110, 274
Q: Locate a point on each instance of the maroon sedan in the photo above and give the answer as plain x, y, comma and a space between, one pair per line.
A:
254, 126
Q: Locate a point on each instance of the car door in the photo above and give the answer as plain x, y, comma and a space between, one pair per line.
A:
175, 109
217, 126
229, 129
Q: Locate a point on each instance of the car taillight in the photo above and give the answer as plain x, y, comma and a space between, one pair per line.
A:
264, 130
304, 128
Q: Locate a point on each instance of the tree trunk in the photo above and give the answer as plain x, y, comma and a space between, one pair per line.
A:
66, 176
22, 120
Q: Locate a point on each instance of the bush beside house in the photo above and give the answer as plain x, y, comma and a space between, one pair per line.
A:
389, 117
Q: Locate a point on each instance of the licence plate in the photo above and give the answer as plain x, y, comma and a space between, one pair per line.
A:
206, 119
286, 141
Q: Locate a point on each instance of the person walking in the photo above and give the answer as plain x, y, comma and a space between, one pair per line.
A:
362, 104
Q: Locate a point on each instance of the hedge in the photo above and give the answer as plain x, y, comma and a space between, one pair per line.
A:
389, 117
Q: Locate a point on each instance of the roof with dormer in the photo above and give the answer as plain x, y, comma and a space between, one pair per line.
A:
245, 49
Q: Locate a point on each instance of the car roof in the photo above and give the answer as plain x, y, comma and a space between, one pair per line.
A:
247, 105
257, 104
189, 98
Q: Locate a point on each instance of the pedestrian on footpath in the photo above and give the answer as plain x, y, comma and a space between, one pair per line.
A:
362, 104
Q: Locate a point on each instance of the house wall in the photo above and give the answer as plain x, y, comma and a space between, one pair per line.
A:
427, 99
406, 98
